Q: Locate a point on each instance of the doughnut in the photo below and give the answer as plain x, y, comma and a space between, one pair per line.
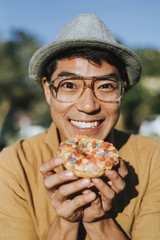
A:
87, 156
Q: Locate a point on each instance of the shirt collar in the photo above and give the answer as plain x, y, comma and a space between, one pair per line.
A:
52, 138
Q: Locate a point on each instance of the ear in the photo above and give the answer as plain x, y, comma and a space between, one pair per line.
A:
47, 91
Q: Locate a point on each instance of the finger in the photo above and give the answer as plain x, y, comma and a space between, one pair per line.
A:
94, 210
66, 190
122, 170
116, 182
68, 208
104, 189
47, 168
56, 179
106, 192
97, 207
85, 191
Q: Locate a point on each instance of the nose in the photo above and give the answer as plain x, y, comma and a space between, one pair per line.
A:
88, 102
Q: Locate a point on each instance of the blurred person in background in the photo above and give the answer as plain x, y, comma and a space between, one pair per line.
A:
42, 200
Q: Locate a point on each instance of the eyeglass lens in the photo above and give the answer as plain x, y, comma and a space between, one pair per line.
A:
70, 90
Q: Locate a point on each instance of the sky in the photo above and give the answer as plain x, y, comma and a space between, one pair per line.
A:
136, 23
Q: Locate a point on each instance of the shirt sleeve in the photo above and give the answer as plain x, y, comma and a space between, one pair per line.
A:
15, 219
147, 222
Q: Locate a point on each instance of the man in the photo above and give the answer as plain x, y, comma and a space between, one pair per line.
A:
84, 74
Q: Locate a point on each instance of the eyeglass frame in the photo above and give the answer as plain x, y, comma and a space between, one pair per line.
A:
75, 76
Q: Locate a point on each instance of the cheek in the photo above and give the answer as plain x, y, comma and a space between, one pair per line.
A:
116, 116
59, 110
113, 111
116, 111
112, 108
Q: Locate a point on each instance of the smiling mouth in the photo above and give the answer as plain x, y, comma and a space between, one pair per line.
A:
80, 124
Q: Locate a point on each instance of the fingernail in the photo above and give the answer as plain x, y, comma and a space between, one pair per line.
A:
69, 174
58, 161
110, 183
85, 181
90, 185
85, 191
91, 196
95, 180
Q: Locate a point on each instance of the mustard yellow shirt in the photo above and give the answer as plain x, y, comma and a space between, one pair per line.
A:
25, 209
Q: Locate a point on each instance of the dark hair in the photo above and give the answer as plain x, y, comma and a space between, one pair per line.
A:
92, 55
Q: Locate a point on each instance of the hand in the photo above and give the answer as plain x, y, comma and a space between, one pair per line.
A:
106, 192
65, 191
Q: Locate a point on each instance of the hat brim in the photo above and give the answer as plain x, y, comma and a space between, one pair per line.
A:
43, 56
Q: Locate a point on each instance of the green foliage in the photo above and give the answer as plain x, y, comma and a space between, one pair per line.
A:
135, 107
151, 61
139, 103
17, 92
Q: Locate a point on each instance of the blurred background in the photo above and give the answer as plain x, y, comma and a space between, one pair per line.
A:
27, 25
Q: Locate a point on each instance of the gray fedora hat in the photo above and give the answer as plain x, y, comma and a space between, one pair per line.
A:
86, 30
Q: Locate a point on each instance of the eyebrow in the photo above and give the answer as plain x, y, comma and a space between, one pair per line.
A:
67, 74
70, 74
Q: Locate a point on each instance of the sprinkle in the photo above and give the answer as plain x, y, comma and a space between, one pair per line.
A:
88, 154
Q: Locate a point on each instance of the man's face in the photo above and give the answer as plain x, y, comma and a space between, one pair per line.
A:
88, 115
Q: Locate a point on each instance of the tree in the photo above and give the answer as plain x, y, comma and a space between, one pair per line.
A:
141, 102
17, 92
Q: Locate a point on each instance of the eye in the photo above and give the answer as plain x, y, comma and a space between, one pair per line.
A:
67, 85
107, 85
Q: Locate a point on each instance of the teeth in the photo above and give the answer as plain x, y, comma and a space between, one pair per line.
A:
84, 124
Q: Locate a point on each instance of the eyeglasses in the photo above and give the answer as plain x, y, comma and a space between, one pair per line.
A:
69, 89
